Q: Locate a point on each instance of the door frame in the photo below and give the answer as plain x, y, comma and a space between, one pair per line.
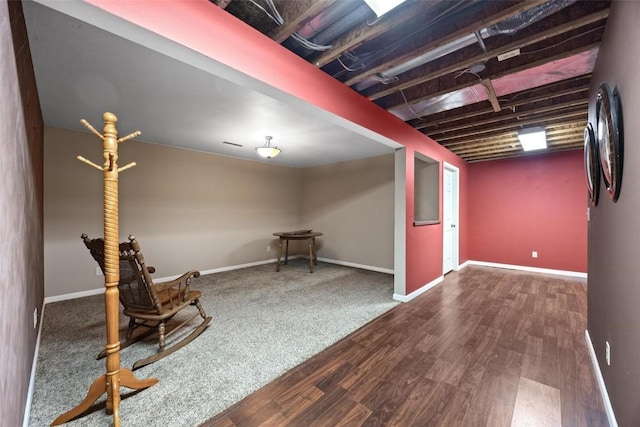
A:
455, 217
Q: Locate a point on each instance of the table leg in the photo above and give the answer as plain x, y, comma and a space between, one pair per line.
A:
311, 255
286, 252
315, 254
279, 253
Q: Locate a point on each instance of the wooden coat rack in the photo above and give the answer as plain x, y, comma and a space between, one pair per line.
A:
115, 377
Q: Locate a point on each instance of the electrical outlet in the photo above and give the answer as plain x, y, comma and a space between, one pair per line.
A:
35, 317
98, 271
268, 248
534, 254
607, 352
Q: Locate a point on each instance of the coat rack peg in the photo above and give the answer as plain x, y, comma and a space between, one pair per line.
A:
92, 129
131, 135
125, 167
89, 162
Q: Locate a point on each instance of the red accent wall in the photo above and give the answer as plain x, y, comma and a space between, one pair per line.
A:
203, 27
536, 203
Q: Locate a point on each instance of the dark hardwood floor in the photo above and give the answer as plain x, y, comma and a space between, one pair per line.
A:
487, 347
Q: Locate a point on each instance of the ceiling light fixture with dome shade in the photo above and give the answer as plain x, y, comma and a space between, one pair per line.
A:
267, 150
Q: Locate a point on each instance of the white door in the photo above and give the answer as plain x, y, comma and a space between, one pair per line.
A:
449, 243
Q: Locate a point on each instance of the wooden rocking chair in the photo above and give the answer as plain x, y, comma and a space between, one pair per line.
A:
148, 304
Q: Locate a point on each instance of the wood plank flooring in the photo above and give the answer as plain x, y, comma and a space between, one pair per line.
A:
487, 347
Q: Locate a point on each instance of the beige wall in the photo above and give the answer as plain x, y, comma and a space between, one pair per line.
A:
352, 203
21, 256
189, 210
192, 210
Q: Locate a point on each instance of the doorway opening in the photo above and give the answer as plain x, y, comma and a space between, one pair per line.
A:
450, 217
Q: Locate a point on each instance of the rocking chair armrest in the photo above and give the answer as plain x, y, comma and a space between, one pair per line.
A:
181, 281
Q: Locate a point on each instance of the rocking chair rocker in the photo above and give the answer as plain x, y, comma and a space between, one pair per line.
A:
147, 304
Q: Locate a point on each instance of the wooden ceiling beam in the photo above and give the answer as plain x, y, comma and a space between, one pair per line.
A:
577, 115
548, 93
518, 114
520, 153
365, 31
295, 14
493, 13
485, 56
551, 147
512, 136
445, 87
474, 138
552, 141
491, 93
437, 125
514, 144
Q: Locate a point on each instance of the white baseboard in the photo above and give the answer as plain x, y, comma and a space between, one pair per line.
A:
231, 267
100, 290
356, 265
34, 365
74, 295
417, 292
526, 268
603, 388
463, 265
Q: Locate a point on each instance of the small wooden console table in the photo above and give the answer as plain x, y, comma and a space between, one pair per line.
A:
308, 235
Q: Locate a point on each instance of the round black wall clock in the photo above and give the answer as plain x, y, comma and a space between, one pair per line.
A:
610, 139
591, 164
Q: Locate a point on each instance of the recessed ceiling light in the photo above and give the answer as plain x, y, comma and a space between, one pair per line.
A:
380, 7
533, 138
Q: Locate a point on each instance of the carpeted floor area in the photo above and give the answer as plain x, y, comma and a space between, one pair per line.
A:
264, 323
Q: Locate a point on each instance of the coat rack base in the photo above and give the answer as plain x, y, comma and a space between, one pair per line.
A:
101, 386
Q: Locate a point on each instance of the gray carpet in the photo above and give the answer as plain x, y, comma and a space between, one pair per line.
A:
264, 323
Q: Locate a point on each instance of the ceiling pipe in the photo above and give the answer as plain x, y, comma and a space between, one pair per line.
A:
341, 26
508, 26
326, 18
528, 17
412, 63
321, 21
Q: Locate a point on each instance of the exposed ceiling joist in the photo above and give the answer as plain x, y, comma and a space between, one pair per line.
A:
491, 92
463, 138
405, 83
438, 123
573, 87
295, 14
366, 31
492, 14
564, 106
558, 139
467, 73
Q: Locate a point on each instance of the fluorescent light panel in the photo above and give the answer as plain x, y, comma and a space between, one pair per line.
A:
534, 138
380, 7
